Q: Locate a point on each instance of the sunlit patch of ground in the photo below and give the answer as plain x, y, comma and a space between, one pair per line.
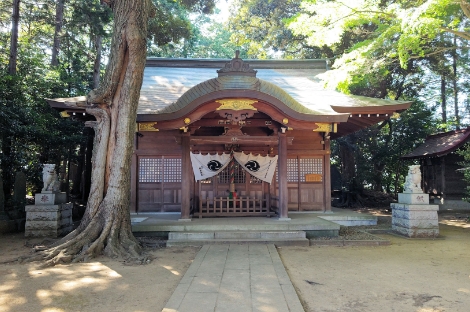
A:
101, 285
455, 219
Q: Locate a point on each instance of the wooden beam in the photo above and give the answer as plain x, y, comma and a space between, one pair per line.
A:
245, 140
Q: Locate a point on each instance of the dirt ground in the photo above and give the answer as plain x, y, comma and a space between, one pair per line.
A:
419, 275
101, 285
409, 275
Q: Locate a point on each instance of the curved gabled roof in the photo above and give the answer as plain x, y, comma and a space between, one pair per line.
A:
238, 83
440, 144
172, 89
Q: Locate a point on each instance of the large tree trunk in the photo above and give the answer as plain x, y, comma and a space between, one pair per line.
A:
7, 137
454, 85
106, 225
443, 99
59, 18
15, 21
97, 64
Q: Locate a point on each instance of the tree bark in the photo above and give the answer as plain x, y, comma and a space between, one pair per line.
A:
106, 225
59, 18
443, 99
15, 20
454, 85
7, 140
97, 64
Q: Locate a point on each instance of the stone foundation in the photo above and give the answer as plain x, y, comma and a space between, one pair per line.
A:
414, 217
49, 217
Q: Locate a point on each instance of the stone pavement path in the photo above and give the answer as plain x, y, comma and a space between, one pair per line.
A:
238, 278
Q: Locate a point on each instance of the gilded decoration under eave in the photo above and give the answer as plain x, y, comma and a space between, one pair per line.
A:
236, 104
325, 127
147, 126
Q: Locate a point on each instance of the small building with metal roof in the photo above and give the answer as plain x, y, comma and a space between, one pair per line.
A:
440, 168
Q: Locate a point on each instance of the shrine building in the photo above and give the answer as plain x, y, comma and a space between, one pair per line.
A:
238, 138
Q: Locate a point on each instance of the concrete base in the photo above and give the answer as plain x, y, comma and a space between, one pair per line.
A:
278, 238
50, 198
347, 218
413, 198
415, 220
48, 220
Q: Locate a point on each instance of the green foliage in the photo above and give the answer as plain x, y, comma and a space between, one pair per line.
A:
32, 132
175, 34
259, 28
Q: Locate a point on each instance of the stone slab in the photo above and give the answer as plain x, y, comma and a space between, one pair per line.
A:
415, 223
262, 285
414, 207
283, 234
190, 235
50, 198
413, 198
417, 232
414, 214
48, 220
40, 233
46, 225
45, 208
42, 216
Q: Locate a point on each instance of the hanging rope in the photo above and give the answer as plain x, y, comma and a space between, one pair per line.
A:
232, 174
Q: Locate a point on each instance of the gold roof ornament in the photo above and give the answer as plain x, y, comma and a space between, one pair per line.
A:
236, 104
325, 127
147, 126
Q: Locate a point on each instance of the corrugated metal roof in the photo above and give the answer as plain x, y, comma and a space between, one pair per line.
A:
173, 87
440, 144
163, 86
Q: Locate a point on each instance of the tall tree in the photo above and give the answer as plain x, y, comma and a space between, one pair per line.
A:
59, 19
106, 225
7, 139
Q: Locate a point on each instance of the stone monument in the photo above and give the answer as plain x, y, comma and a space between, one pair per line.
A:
50, 215
6, 225
413, 216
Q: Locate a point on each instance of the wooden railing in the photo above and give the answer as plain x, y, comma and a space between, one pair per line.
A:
240, 206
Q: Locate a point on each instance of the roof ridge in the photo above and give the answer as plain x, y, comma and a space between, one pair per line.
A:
452, 132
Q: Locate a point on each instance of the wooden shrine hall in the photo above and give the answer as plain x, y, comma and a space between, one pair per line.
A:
238, 121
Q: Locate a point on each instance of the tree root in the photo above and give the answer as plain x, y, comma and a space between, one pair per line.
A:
98, 238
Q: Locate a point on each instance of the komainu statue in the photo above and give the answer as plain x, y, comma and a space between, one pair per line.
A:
50, 178
413, 180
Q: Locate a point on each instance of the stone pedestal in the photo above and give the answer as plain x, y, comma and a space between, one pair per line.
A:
50, 216
414, 217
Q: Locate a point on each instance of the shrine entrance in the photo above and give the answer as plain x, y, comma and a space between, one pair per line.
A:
251, 196
186, 108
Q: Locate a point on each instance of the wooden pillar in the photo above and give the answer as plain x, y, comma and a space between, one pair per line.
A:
443, 179
134, 186
326, 175
282, 176
185, 178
